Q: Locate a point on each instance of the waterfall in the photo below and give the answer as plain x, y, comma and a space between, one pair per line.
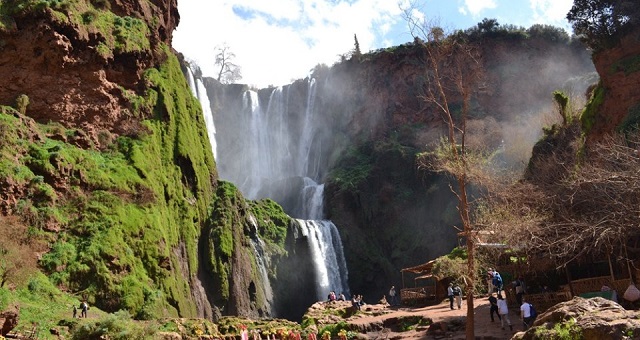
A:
200, 92
283, 151
327, 256
262, 262
273, 151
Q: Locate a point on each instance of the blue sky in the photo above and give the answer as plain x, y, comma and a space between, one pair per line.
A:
278, 41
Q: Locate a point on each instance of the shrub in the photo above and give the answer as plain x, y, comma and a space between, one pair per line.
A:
590, 112
114, 326
21, 103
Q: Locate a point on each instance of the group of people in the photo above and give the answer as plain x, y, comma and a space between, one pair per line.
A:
332, 296
357, 302
84, 307
454, 292
498, 305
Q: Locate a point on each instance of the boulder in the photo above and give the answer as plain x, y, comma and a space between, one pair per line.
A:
9, 320
590, 319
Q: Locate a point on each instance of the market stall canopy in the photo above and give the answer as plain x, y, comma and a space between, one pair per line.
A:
420, 269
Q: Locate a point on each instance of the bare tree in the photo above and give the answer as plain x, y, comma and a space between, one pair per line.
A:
229, 72
453, 74
573, 207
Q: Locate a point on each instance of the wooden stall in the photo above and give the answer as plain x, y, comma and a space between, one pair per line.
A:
425, 288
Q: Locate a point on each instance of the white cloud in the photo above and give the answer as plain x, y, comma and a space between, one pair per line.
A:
475, 7
278, 41
551, 12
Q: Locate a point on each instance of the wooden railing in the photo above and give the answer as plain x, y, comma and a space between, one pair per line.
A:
543, 301
418, 296
592, 284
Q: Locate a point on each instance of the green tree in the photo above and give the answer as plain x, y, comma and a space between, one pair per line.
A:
600, 23
488, 25
356, 49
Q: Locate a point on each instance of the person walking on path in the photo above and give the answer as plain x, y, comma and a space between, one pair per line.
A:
497, 282
493, 307
450, 295
392, 296
490, 281
457, 293
526, 314
83, 309
503, 312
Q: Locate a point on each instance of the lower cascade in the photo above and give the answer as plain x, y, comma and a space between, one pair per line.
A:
327, 256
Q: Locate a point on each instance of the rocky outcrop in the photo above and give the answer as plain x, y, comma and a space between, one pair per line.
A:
590, 319
619, 70
78, 73
9, 320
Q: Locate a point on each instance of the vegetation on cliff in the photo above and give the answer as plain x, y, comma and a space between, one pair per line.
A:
119, 217
113, 218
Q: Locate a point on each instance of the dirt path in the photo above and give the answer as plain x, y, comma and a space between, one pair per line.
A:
482, 321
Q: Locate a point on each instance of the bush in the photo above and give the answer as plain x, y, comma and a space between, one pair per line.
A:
114, 326
21, 103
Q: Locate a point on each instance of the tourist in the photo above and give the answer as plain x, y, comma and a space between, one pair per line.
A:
503, 312
457, 294
526, 313
489, 281
497, 282
355, 302
450, 295
392, 296
341, 297
332, 296
83, 309
493, 306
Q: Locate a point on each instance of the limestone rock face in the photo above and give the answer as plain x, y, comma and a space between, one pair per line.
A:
618, 70
69, 69
591, 319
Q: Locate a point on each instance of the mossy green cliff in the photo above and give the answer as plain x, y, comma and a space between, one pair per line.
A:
109, 170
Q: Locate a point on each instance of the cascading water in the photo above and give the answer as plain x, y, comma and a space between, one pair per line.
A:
284, 148
277, 153
199, 91
262, 262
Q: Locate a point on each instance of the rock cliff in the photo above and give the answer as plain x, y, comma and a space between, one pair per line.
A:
105, 161
616, 101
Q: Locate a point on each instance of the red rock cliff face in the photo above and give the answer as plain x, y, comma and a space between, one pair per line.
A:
54, 59
619, 71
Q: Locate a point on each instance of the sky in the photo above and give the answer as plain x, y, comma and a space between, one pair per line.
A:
278, 41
